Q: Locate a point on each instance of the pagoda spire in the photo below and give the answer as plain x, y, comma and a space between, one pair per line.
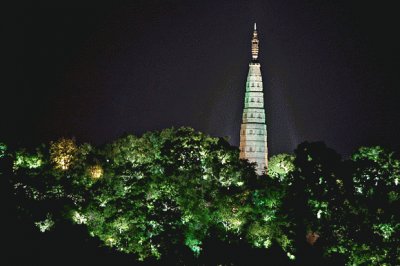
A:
254, 44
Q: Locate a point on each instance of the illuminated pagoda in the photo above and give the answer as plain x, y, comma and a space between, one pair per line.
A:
253, 131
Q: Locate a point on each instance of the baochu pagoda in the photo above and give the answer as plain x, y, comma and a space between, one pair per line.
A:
253, 131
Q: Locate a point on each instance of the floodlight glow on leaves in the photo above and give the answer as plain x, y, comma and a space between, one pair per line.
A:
3, 149
62, 153
96, 171
25, 160
46, 224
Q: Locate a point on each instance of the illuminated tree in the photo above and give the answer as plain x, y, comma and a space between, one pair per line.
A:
280, 165
346, 208
62, 153
315, 197
25, 160
268, 225
372, 235
95, 171
168, 190
377, 171
163, 189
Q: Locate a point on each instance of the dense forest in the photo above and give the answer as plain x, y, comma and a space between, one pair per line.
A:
181, 197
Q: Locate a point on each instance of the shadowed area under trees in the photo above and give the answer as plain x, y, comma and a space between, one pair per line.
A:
180, 197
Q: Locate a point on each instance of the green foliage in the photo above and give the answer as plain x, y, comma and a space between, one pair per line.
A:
46, 224
62, 153
3, 149
280, 165
377, 171
140, 194
268, 224
146, 195
374, 205
25, 160
350, 205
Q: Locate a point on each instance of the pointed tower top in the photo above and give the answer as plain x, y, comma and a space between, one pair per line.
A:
254, 44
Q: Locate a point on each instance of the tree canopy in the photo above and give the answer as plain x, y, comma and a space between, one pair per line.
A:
174, 188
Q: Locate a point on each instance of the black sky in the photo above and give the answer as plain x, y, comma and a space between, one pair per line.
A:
100, 70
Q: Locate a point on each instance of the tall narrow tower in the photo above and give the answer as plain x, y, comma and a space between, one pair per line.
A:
253, 131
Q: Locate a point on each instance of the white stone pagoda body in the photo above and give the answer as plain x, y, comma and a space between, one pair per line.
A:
253, 131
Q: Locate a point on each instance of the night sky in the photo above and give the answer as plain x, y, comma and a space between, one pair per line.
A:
98, 71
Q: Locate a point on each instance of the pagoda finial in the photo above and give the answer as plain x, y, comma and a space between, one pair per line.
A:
254, 44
